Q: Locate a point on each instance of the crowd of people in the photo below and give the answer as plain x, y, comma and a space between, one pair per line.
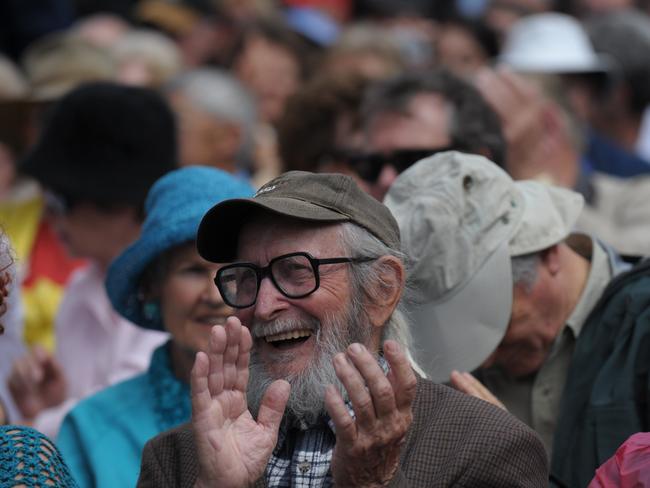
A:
324, 243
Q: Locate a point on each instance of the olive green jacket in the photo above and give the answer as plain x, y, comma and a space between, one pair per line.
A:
454, 440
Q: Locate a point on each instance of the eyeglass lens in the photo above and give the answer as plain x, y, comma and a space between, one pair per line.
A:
293, 275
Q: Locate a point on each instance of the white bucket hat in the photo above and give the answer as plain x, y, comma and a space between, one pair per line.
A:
462, 218
551, 43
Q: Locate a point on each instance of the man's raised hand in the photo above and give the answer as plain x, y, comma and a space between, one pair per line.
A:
233, 448
368, 446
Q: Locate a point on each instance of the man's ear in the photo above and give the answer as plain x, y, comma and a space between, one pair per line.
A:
551, 259
387, 291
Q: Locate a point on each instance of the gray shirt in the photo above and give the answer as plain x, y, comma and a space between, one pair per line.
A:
536, 399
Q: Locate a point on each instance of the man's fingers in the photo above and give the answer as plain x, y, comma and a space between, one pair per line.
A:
466, 383
216, 348
459, 382
231, 354
380, 388
273, 404
344, 424
476, 384
401, 374
201, 396
354, 384
245, 345
482, 391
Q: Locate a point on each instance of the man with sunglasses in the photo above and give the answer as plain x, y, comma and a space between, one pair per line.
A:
311, 383
413, 116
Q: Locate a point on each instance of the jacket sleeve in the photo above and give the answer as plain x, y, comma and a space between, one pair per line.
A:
516, 460
152, 470
399, 480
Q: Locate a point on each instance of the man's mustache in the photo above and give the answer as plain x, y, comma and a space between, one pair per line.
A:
261, 329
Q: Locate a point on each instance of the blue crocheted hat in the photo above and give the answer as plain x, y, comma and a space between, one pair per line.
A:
174, 207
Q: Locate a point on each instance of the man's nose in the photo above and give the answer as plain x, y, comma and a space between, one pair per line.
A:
270, 302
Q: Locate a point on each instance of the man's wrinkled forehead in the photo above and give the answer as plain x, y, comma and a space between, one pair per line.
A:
265, 230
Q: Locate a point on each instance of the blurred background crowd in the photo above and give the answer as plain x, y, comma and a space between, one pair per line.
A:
553, 90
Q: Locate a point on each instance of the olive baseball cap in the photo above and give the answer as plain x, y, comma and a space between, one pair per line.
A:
312, 197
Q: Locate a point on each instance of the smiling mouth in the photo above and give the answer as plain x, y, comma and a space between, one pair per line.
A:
288, 339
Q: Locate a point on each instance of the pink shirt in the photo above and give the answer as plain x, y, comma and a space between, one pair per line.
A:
94, 344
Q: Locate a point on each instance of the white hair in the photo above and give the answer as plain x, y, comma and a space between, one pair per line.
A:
525, 269
365, 277
220, 94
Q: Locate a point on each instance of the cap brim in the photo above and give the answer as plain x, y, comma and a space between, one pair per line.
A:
460, 332
219, 230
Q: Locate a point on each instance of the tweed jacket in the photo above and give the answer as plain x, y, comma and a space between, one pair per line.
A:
454, 440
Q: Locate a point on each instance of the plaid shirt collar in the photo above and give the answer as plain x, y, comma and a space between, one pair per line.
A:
302, 457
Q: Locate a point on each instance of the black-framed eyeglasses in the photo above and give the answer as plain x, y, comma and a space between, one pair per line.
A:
295, 275
369, 165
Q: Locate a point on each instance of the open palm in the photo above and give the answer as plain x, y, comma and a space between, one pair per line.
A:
233, 448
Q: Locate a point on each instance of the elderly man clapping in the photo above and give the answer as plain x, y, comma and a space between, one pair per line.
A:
311, 384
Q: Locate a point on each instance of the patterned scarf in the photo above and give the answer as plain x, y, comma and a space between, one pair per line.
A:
172, 401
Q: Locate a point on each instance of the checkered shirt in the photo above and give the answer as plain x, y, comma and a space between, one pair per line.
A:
302, 458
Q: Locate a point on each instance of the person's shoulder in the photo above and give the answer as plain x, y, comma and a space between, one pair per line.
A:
455, 436
15, 431
447, 403
115, 401
627, 292
176, 442
170, 459
40, 461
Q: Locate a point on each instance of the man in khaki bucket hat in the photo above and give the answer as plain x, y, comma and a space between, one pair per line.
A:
504, 287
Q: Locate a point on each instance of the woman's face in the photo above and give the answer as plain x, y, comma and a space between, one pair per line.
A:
271, 72
189, 300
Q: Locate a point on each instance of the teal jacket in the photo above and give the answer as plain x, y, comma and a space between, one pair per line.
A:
102, 438
607, 395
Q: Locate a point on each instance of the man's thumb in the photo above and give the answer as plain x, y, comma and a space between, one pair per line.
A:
273, 404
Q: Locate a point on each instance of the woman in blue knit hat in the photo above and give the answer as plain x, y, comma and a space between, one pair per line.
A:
159, 282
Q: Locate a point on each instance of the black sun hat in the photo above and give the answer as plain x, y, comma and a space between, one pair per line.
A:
105, 142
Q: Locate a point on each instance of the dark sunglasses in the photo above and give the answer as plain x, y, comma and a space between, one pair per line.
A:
369, 165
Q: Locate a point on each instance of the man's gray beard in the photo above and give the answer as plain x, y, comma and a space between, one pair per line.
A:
306, 403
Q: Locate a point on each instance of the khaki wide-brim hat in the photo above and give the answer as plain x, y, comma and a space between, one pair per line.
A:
462, 218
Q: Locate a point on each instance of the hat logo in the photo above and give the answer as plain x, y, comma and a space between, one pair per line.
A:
265, 190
